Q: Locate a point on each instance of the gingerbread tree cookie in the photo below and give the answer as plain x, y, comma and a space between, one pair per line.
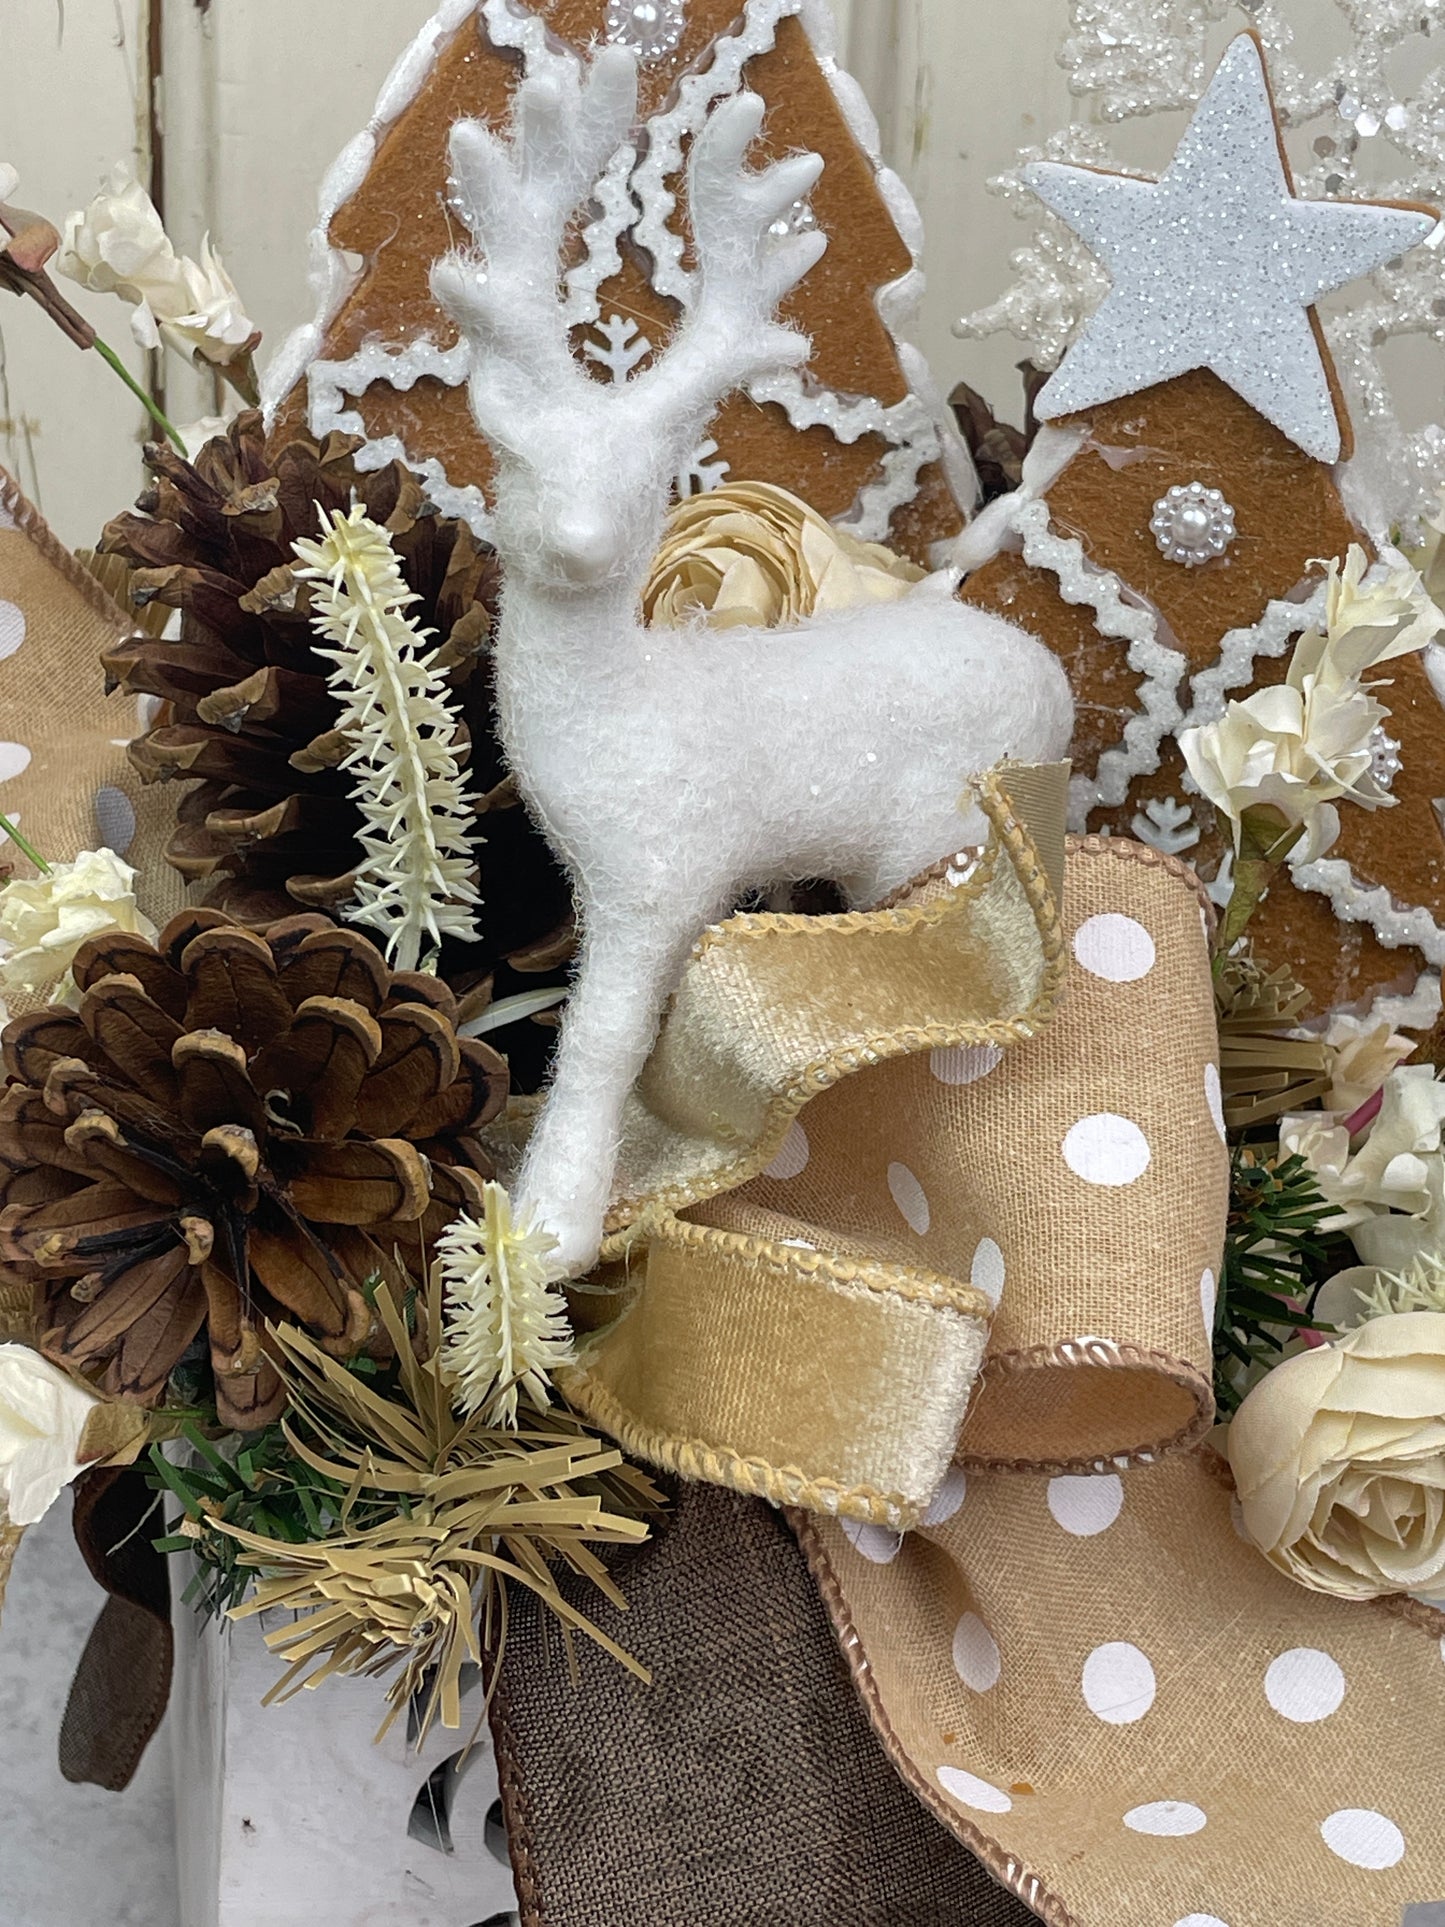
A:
859, 434
1180, 505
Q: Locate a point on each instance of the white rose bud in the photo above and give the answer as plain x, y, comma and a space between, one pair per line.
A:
1339, 1460
118, 246
42, 1416
44, 920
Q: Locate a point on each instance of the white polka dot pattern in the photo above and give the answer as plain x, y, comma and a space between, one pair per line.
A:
1201, 1920
1106, 1149
976, 1657
1166, 1819
970, 1791
1304, 1685
1214, 1096
965, 1065
878, 1544
908, 1194
1118, 1683
948, 1498
12, 628
114, 818
986, 1273
14, 760
1208, 1300
1115, 948
1364, 1838
1084, 1504
792, 1155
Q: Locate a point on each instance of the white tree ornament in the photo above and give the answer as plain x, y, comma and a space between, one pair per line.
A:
674, 770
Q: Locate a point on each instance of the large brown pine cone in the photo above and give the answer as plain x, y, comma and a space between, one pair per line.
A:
270, 828
233, 1129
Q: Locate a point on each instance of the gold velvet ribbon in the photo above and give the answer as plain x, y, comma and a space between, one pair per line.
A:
759, 1348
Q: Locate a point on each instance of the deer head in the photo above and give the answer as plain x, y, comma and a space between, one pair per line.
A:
584, 470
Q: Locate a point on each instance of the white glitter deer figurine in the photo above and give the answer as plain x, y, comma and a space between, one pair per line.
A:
675, 770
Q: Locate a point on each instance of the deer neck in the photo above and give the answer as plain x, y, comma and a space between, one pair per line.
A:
551, 642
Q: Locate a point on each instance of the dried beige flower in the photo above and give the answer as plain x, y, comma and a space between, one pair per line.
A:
751, 554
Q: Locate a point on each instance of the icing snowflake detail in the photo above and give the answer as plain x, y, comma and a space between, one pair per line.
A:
1385, 759
1192, 524
706, 471
1221, 887
622, 347
1167, 825
648, 28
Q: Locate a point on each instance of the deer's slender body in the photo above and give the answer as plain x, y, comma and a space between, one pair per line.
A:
673, 770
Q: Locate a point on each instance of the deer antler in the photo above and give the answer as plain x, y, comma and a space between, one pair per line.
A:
517, 192
748, 259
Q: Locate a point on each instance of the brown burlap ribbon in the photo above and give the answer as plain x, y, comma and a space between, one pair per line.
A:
743, 1788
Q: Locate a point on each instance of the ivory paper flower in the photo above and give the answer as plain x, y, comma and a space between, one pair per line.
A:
9, 181
118, 246
1368, 1291
44, 920
1306, 743
43, 1413
752, 554
1394, 1170
1339, 1460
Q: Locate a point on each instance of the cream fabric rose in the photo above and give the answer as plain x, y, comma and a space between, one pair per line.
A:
42, 1416
1305, 743
118, 246
44, 920
752, 554
1339, 1460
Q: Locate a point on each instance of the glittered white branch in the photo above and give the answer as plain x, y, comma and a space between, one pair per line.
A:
415, 882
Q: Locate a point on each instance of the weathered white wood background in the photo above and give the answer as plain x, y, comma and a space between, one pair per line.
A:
254, 97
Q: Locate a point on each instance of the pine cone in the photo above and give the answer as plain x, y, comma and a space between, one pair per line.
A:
233, 1129
269, 826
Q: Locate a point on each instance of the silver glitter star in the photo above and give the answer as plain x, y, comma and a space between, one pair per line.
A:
1217, 264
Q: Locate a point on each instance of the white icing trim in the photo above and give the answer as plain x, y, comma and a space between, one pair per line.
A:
1240, 649
1354, 902
1419, 1011
330, 274
1162, 668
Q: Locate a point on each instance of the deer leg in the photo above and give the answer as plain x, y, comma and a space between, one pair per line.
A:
626, 972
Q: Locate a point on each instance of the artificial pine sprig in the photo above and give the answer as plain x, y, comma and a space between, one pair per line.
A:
506, 1329
1275, 1259
415, 882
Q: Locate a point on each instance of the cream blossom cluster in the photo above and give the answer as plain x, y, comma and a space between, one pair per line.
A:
118, 245
45, 919
1303, 745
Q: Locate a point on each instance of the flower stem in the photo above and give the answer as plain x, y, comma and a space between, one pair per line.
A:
108, 353
9, 829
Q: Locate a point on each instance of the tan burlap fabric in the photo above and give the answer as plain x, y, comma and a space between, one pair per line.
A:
64, 777
1092, 1680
